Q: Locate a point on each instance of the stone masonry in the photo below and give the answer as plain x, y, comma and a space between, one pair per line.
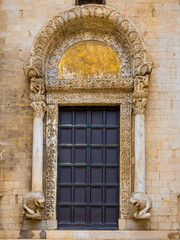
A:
159, 24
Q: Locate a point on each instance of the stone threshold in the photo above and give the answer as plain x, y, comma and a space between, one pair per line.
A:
83, 235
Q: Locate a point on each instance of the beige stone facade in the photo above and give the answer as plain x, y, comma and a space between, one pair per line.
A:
158, 22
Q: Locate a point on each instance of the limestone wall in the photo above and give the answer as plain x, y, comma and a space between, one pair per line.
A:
159, 23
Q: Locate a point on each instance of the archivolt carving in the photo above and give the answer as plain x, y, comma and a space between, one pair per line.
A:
119, 46
87, 18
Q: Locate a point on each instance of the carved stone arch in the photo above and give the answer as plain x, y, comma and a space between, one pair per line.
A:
97, 20
88, 23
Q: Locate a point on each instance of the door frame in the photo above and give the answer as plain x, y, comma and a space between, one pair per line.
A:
124, 100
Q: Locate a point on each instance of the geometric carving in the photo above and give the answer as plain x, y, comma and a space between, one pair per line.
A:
125, 160
51, 161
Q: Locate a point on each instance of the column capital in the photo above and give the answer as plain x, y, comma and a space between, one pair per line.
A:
39, 109
140, 94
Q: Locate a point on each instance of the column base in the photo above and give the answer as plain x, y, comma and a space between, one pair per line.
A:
39, 224
134, 224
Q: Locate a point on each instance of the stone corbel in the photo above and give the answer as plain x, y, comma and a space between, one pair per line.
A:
140, 201
34, 200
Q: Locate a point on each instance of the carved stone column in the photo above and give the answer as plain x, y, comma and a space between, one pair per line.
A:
37, 159
34, 200
139, 199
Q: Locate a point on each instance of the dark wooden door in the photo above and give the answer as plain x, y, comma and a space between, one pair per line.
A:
88, 168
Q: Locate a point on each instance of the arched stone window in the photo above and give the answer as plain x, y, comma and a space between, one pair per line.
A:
118, 77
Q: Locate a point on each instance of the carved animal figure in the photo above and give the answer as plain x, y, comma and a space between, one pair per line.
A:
37, 85
142, 203
174, 235
33, 205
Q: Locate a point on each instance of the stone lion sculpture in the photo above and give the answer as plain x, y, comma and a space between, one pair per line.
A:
33, 205
142, 203
174, 235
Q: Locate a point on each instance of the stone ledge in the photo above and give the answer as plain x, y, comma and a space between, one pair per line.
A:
82, 235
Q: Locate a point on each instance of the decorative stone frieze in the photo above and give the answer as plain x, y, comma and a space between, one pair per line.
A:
33, 205
39, 109
51, 161
125, 160
125, 84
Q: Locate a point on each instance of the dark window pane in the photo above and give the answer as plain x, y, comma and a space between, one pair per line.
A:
96, 175
80, 175
111, 214
112, 117
97, 116
80, 136
112, 136
96, 195
96, 135
112, 155
96, 155
65, 116
65, 136
111, 194
80, 195
64, 215
79, 215
65, 194
65, 155
80, 155
96, 215
111, 175
80, 116
64, 175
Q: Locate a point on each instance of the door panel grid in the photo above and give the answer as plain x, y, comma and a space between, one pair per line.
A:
88, 168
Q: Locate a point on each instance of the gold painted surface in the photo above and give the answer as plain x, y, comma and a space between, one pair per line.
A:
89, 59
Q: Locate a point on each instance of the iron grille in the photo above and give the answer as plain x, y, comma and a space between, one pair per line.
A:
88, 168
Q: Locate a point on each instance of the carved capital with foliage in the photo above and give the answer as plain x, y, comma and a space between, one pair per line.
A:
39, 109
140, 94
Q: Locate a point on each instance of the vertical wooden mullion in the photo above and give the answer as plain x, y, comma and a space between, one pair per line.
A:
73, 168
88, 170
104, 162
